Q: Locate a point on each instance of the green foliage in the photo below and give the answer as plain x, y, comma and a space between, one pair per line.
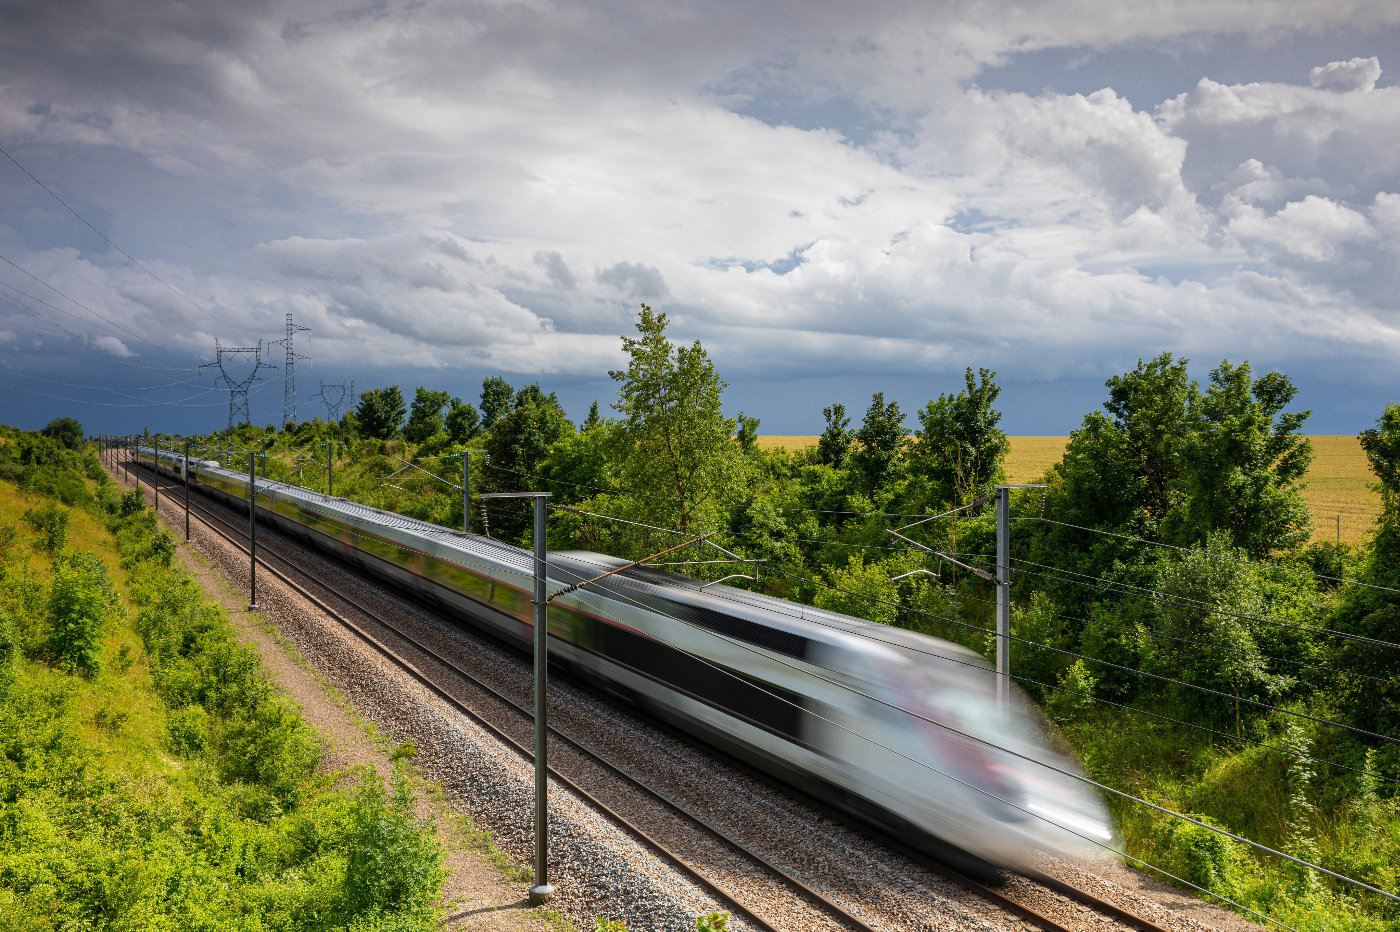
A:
593, 420
1244, 459
959, 448
608, 925
1077, 692
1151, 409
395, 864
425, 416
747, 432
519, 445
380, 412
10, 651
81, 601
713, 922
1209, 606
834, 445
1382, 446
866, 591
879, 440
1301, 812
497, 398
462, 423
66, 431
52, 522
99, 829
674, 439
1205, 858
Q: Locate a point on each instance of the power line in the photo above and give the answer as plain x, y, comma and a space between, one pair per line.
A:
1218, 611
686, 501
1108, 789
101, 355
125, 330
898, 607
1217, 556
118, 248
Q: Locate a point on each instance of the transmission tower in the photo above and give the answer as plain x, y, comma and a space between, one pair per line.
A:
345, 399
238, 388
289, 394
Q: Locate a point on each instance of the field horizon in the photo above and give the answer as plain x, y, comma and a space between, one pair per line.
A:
1338, 492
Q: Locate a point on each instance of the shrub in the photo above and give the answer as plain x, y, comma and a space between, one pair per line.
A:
271, 747
9, 655
187, 730
51, 521
80, 601
8, 534
1205, 858
394, 861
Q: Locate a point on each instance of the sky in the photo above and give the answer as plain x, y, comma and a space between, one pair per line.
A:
834, 198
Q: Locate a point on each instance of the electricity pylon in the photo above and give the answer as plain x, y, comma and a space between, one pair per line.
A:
289, 392
346, 398
238, 388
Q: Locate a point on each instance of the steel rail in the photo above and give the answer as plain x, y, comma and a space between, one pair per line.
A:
1025, 912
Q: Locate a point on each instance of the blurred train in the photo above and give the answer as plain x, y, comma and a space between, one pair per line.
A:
816, 699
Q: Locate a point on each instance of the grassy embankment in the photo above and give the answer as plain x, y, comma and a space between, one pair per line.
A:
150, 776
1338, 483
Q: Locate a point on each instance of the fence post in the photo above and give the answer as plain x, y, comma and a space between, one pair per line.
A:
1003, 596
541, 891
252, 532
187, 491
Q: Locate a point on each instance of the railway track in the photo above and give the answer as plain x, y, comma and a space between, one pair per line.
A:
452, 675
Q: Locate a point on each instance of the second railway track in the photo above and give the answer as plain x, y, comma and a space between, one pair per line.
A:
612, 787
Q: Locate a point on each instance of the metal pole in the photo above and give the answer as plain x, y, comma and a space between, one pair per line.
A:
330, 463
466, 492
1339, 529
1003, 597
155, 468
541, 891
252, 532
187, 491
264, 458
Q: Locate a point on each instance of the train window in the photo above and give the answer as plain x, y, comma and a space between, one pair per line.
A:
771, 707
741, 629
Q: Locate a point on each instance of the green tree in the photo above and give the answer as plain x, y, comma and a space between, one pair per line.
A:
879, 440
1241, 465
380, 412
519, 446
496, 399
1152, 407
1374, 614
593, 420
959, 448
66, 431
425, 417
675, 442
747, 432
463, 423
1208, 603
834, 445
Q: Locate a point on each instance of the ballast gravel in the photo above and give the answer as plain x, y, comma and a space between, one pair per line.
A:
596, 867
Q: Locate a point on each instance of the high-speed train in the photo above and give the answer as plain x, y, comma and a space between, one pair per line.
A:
897, 729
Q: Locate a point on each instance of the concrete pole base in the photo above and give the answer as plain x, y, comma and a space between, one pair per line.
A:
541, 894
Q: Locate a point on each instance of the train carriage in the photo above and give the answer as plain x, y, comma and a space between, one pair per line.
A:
895, 728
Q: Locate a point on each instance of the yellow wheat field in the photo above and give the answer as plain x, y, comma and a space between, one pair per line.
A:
1338, 482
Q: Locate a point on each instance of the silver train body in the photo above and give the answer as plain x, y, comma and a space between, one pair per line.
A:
818, 700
